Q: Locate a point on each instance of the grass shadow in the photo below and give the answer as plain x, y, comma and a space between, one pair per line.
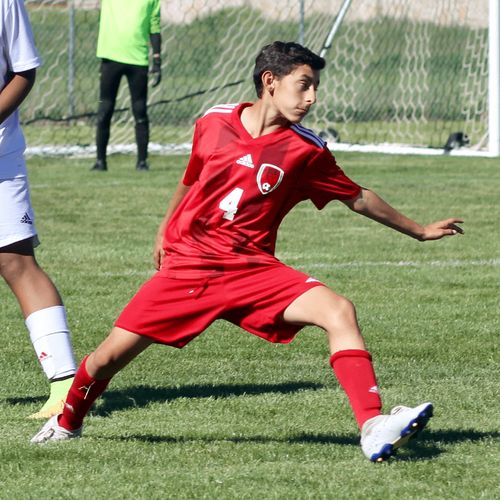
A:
428, 446
432, 443
142, 395
304, 438
26, 400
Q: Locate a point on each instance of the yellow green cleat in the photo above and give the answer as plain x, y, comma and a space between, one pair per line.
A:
55, 404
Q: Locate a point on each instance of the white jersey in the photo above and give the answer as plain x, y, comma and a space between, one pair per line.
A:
17, 53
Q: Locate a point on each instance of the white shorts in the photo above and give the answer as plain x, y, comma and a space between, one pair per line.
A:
17, 220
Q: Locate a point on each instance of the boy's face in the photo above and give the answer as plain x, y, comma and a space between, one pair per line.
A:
295, 93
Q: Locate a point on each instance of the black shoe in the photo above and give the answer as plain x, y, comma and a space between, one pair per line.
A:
100, 165
142, 165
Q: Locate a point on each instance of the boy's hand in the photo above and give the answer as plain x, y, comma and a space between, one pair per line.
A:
439, 229
158, 253
156, 72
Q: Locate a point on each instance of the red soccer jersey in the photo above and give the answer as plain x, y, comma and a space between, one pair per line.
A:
241, 189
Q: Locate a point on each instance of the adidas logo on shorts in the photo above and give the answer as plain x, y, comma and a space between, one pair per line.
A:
26, 219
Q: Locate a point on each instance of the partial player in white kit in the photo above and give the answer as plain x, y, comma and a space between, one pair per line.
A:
38, 298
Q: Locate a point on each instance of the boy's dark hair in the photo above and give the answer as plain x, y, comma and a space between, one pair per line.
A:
281, 58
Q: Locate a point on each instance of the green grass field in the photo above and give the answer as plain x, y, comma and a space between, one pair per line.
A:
231, 416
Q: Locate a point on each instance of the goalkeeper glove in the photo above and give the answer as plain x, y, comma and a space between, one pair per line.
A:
156, 72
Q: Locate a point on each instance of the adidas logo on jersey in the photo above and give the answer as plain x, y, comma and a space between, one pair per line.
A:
312, 280
246, 161
26, 219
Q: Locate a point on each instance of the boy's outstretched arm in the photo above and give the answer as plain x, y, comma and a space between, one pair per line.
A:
371, 205
177, 197
15, 91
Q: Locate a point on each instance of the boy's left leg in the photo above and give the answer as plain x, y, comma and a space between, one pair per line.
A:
349, 359
138, 85
381, 435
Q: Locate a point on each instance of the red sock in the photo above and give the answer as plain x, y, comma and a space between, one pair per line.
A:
82, 394
354, 371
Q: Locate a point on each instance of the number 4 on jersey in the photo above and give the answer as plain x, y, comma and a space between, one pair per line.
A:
229, 204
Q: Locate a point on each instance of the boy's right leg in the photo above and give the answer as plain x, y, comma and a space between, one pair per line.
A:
91, 379
110, 76
197, 304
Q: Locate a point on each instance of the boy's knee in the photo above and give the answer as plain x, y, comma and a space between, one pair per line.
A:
341, 313
140, 112
142, 122
341, 326
13, 265
99, 359
105, 112
100, 365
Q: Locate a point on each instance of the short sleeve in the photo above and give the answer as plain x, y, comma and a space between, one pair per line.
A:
18, 38
155, 26
325, 181
195, 164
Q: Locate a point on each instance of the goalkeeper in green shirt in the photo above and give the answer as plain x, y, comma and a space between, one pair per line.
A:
123, 46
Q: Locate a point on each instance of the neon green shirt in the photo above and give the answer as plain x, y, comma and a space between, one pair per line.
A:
124, 30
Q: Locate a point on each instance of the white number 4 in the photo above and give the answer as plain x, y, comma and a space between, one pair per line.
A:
229, 204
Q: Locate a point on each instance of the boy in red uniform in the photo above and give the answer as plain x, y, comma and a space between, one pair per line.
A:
250, 164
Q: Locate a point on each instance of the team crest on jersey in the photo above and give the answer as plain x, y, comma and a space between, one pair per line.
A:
269, 177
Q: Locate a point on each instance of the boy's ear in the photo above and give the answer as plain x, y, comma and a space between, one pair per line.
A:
268, 81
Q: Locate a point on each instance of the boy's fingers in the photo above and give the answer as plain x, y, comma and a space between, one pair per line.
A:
456, 229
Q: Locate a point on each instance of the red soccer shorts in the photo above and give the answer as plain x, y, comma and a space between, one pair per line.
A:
175, 311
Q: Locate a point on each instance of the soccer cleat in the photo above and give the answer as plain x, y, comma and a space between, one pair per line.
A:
382, 435
52, 431
55, 404
100, 166
49, 411
142, 165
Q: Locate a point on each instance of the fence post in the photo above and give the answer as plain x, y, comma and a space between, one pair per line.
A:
335, 26
301, 22
71, 58
494, 78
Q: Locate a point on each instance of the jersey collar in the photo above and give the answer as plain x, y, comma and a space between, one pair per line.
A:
243, 133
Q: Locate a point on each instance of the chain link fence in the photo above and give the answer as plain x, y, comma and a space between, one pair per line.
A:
398, 70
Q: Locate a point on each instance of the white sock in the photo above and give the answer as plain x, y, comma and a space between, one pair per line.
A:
50, 337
